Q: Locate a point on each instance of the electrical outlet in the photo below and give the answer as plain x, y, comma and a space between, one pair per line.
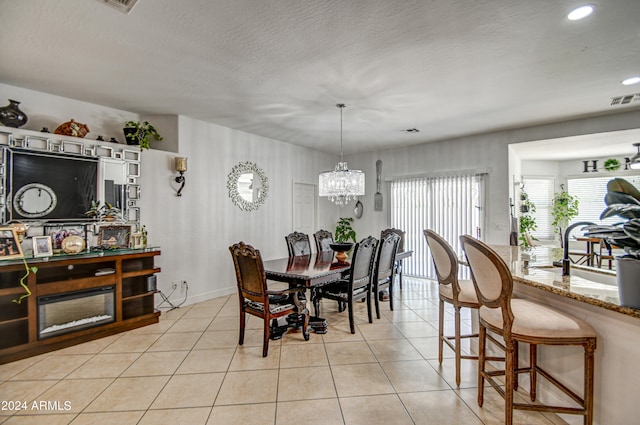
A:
174, 286
185, 285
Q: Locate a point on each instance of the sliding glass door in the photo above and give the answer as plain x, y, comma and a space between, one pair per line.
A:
449, 205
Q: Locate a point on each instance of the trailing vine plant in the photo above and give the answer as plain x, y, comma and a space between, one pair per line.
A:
527, 222
29, 269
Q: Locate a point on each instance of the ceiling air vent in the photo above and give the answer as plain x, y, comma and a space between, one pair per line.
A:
624, 100
123, 6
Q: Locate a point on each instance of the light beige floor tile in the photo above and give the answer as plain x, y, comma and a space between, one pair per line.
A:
432, 314
175, 341
468, 372
404, 315
224, 323
339, 332
53, 367
198, 390
158, 363
438, 407
413, 375
305, 383
217, 339
9, 370
200, 311
374, 410
419, 304
23, 391
129, 394
255, 386
105, 365
428, 348
68, 396
492, 410
230, 309
58, 419
91, 347
417, 329
250, 358
157, 328
110, 418
131, 343
190, 416
394, 350
207, 361
293, 355
379, 330
314, 412
174, 314
190, 325
349, 352
263, 413
361, 379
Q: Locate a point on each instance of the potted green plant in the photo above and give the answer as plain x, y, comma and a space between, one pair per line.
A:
137, 133
563, 209
623, 200
103, 212
343, 234
527, 222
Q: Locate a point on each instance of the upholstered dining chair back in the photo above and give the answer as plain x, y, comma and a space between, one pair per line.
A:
323, 238
491, 277
362, 261
298, 244
400, 233
386, 260
250, 275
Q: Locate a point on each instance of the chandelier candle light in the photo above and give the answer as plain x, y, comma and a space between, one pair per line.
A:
341, 185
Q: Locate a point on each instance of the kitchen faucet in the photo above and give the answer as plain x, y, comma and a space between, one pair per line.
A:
566, 263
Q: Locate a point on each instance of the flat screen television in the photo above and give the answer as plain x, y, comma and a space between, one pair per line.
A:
50, 186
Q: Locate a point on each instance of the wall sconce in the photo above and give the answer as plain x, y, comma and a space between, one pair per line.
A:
181, 167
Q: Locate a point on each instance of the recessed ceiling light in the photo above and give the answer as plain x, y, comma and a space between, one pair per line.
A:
631, 80
411, 130
581, 12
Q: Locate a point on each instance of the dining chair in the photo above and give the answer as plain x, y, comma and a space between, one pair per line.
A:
323, 238
519, 320
459, 293
256, 299
398, 265
385, 266
357, 286
298, 244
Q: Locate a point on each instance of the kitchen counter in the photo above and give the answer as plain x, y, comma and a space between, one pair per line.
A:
541, 274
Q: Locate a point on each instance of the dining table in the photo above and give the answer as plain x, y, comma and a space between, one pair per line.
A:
306, 270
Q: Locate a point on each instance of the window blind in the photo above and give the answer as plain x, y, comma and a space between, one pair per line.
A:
449, 205
540, 192
591, 191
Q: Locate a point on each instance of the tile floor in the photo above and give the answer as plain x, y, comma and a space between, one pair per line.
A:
188, 369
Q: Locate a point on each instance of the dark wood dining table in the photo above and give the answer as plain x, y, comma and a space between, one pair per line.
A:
306, 270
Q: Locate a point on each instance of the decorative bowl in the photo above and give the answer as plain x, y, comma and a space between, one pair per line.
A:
341, 246
72, 244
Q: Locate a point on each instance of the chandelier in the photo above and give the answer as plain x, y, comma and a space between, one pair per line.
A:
341, 185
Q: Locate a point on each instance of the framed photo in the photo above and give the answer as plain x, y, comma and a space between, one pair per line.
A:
9, 244
42, 246
114, 236
61, 231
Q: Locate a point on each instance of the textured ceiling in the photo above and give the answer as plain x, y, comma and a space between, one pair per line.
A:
277, 68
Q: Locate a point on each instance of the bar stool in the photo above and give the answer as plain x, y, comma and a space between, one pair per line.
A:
519, 320
459, 293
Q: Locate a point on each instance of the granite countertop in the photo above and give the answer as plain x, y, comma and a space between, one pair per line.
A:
541, 274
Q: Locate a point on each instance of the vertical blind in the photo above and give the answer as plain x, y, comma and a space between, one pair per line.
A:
449, 205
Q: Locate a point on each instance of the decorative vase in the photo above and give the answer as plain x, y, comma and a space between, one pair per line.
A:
72, 128
628, 275
130, 134
12, 116
341, 249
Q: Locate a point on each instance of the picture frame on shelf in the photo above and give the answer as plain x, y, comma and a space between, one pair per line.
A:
114, 237
60, 231
9, 244
42, 246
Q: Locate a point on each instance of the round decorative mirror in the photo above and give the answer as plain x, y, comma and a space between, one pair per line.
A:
248, 186
35, 200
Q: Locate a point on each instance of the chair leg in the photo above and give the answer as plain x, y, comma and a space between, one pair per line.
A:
243, 319
533, 374
457, 348
352, 326
391, 293
509, 383
369, 306
482, 342
516, 356
589, 365
316, 302
266, 334
440, 330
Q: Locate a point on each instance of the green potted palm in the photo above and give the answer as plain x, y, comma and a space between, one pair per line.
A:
623, 200
140, 133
